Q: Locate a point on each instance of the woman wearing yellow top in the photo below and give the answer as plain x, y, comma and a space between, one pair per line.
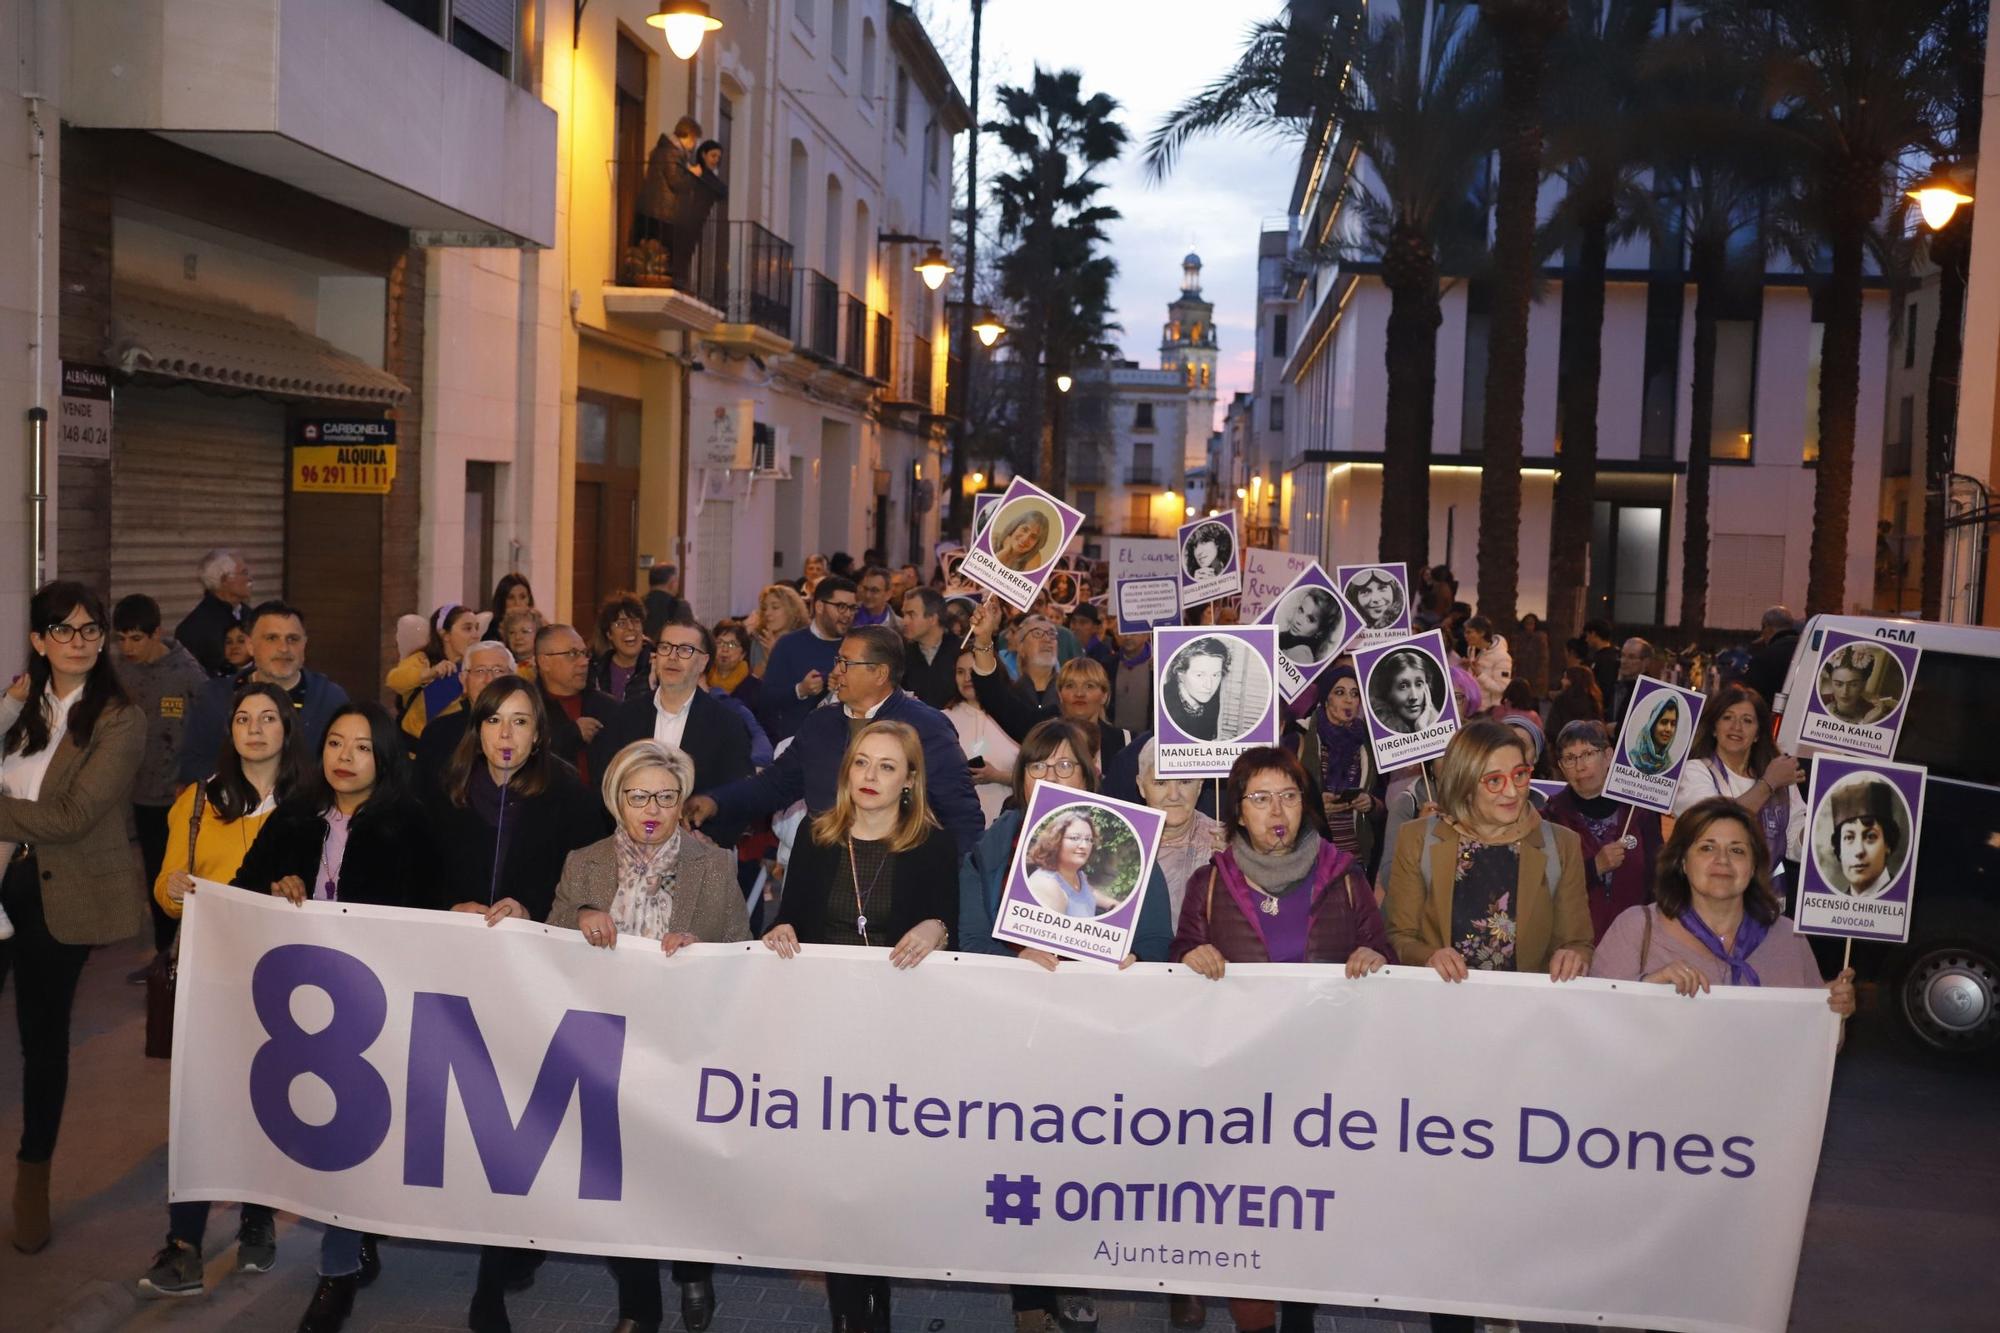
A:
258, 767
453, 630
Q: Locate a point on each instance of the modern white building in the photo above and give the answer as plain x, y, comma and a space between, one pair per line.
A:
1332, 387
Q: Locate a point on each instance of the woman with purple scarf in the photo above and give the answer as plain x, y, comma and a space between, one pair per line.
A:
1332, 746
1621, 843
1714, 919
1280, 892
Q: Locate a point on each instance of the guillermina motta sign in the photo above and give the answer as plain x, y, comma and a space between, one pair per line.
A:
343, 456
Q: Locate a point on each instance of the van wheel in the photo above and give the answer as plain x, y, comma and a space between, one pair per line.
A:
1949, 995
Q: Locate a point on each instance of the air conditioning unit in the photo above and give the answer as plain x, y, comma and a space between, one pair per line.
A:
767, 457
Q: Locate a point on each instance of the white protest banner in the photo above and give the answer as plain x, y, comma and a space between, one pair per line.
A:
1653, 744
1142, 557
1283, 1133
1016, 552
1860, 863
1079, 874
1147, 603
1266, 576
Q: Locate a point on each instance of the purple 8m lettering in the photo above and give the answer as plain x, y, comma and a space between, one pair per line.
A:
334, 1053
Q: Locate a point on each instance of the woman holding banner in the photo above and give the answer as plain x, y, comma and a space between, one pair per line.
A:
209, 831
354, 833
1055, 751
1733, 755
1715, 919
651, 881
1280, 892
874, 870
1621, 843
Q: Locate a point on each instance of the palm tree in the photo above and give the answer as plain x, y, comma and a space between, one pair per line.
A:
1054, 273
1522, 32
1414, 104
1597, 109
1856, 84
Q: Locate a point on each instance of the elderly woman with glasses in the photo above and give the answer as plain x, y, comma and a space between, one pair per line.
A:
1281, 892
652, 881
1620, 843
1487, 883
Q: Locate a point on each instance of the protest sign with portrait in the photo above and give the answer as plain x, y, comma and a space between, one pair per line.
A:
1216, 689
1079, 875
1016, 552
1406, 696
1381, 594
1653, 742
1211, 558
1315, 625
1860, 693
1859, 868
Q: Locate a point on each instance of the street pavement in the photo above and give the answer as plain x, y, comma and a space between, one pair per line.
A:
1904, 1227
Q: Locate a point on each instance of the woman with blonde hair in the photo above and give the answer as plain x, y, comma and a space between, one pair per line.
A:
875, 870
780, 610
1487, 883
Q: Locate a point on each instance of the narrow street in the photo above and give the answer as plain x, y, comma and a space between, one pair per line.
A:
1902, 1232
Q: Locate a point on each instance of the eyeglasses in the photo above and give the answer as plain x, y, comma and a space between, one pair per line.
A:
1577, 758
842, 662
1043, 633
90, 631
679, 651
1062, 768
627, 622
494, 671
840, 607
639, 800
1499, 782
567, 654
1290, 798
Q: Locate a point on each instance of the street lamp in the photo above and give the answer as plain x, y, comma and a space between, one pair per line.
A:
988, 327
1242, 494
685, 23
934, 268
1063, 382
1938, 196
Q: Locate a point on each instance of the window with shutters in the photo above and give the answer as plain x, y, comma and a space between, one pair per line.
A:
902, 100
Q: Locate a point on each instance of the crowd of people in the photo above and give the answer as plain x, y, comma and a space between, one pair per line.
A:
848, 764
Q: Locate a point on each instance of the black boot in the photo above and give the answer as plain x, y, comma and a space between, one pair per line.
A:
371, 1263
1296, 1317
332, 1301
488, 1311
1186, 1311
697, 1304
876, 1297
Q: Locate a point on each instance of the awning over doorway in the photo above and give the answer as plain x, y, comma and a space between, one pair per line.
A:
161, 333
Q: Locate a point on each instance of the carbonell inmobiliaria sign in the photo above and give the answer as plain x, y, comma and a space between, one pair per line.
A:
1652, 746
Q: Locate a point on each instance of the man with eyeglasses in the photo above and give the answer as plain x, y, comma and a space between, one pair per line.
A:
576, 712
485, 662
1621, 843
683, 716
866, 676
795, 678
277, 657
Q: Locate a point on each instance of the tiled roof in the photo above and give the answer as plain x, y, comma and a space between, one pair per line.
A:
164, 333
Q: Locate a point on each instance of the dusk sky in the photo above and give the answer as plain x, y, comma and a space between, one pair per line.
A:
1149, 55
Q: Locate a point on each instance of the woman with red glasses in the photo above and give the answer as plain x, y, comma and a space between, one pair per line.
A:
1488, 883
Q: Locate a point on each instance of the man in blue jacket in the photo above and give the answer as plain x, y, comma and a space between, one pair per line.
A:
795, 679
867, 671
277, 657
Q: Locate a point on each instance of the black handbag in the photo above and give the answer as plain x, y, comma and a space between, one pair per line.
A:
164, 977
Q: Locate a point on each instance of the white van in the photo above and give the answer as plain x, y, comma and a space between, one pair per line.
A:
1944, 985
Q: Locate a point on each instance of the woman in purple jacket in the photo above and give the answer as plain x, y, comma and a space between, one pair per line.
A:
1280, 892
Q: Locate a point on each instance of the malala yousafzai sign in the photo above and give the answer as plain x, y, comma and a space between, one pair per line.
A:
1652, 744
1080, 873
418, 1074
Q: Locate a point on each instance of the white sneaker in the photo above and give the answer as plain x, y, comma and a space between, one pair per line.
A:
6, 926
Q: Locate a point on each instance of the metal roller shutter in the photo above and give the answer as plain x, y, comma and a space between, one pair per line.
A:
492, 19
713, 558
190, 471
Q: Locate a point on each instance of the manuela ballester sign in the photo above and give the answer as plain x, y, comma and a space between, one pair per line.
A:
1141, 1129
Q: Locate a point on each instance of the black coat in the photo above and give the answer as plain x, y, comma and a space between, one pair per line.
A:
566, 738
1018, 711
923, 883
434, 749
390, 860
203, 629
935, 681
1770, 663
640, 683
715, 739
546, 828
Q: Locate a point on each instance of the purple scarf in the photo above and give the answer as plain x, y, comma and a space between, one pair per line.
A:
1749, 935
1340, 743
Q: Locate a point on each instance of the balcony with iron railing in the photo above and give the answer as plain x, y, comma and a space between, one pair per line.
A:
854, 334
1142, 474
881, 363
758, 283
816, 314
912, 384
1086, 467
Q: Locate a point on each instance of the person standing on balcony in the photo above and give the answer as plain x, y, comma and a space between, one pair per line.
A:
669, 178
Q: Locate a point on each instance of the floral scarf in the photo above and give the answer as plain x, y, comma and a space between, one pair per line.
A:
644, 902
